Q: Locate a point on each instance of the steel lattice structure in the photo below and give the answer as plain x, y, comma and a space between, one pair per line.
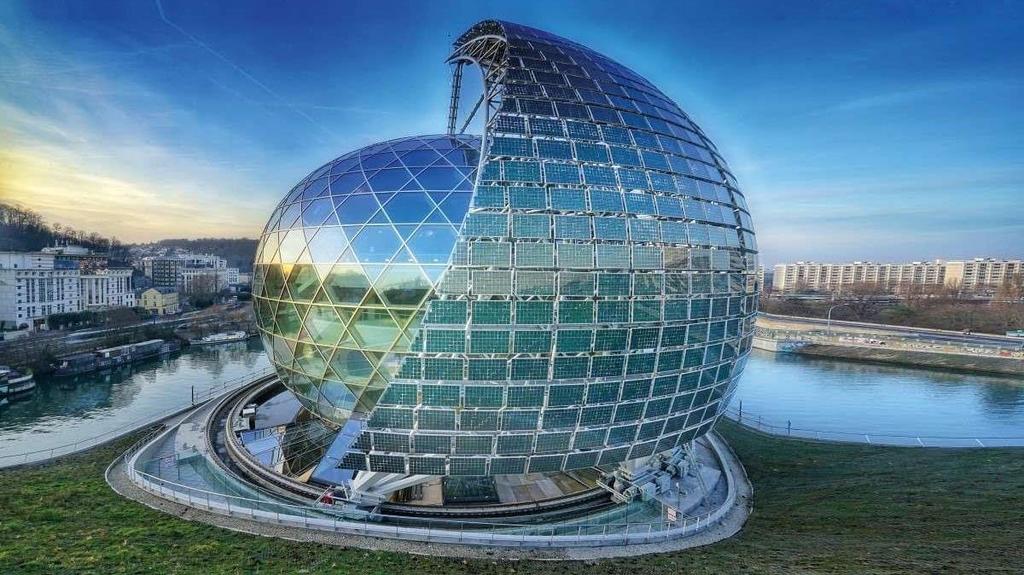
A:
585, 296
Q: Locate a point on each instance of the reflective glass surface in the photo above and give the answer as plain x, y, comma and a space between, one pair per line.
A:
348, 259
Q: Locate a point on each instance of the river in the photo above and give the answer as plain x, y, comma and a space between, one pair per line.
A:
808, 393
65, 410
815, 393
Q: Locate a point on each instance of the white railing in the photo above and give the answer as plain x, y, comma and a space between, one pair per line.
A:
41, 455
759, 423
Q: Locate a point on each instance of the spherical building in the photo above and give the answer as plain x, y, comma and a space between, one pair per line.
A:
576, 288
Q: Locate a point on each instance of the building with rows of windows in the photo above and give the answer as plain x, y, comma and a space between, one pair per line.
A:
573, 290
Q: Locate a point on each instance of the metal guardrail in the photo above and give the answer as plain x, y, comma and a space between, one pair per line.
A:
758, 423
41, 455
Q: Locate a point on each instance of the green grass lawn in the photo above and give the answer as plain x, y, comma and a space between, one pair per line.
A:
818, 508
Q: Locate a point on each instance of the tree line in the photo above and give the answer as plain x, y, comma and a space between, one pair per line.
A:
937, 307
24, 230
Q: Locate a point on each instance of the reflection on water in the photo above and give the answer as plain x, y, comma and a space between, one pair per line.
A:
834, 395
65, 410
813, 393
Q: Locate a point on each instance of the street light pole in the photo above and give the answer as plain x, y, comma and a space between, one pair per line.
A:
828, 320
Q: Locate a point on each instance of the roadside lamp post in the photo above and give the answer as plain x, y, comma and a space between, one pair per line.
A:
828, 321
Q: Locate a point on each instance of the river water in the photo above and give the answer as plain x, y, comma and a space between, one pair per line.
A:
807, 393
65, 410
812, 393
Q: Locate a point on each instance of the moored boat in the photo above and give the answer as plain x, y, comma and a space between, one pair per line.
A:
227, 337
13, 381
111, 357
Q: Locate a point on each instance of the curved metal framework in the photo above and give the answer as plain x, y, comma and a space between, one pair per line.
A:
599, 301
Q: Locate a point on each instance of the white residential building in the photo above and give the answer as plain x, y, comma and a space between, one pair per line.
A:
105, 288
34, 285
969, 275
982, 274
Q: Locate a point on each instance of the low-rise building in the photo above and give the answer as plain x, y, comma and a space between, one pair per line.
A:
160, 300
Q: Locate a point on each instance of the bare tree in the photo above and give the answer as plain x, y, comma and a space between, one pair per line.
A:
863, 299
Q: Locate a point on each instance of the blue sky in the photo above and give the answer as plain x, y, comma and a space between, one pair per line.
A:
858, 130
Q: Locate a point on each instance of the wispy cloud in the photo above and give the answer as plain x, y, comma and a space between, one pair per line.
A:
917, 94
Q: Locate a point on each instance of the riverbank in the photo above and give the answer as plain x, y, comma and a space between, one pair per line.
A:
818, 508
931, 360
898, 345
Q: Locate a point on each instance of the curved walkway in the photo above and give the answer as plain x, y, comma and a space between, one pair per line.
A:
727, 525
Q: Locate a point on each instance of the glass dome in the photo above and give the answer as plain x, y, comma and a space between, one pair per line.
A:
348, 259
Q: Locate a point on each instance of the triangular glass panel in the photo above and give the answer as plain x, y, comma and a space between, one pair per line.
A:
368, 399
371, 299
322, 297
402, 285
403, 256
374, 329
349, 257
377, 160
389, 365
309, 361
290, 215
274, 282
408, 207
390, 179
376, 244
338, 395
433, 244
342, 166
412, 185
358, 209
419, 158
439, 178
346, 284
350, 183
324, 325
406, 230
316, 212
315, 188
434, 273
323, 271
456, 206
351, 366
373, 271
282, 352
292, 245
287, 321
269, 248
380, 218
436, 217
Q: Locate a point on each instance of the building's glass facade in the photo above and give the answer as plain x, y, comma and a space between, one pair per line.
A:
347, 261
595, 306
